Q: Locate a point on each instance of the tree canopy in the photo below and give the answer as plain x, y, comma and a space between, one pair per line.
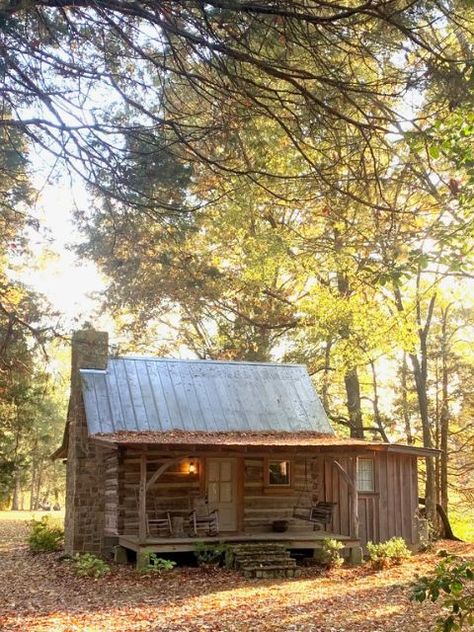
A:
290, 179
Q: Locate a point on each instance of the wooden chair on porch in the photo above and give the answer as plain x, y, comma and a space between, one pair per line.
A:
201, 520
320, 514
157, 524
158, 521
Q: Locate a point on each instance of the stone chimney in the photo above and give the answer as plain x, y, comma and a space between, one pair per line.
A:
85, 502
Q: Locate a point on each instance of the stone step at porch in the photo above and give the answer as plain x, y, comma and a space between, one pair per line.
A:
270, 572
263, 560
263, 548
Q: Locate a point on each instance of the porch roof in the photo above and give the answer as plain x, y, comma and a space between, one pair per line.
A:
301, 440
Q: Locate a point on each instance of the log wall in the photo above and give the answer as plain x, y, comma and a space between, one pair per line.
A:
262, 505
111, 492
173, 491
387, 512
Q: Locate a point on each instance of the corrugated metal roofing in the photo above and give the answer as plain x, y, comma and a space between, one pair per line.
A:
151, 394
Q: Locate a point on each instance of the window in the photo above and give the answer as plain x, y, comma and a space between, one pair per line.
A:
278, 473
365, 475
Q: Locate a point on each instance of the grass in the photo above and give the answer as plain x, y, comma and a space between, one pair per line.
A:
25, 516
15, 526
463, 526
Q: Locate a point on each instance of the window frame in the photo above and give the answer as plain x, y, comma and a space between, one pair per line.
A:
275, 486
373, 489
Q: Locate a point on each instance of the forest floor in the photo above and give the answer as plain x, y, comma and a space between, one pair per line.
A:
39, 593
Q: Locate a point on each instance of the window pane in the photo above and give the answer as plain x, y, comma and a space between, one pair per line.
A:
365, 477
279, 472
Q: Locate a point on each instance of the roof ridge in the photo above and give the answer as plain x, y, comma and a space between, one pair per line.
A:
199, 361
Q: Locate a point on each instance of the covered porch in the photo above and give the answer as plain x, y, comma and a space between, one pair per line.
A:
250, 486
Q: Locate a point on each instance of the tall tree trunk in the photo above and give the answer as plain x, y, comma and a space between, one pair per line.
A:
436, 417
16, 491
405, 409
445, 414
39, 476
351, 381
419, 365
421, 391
375, 404
33, 485
351, 378
326, 380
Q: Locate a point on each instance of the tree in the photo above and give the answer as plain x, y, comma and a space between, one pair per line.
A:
80, 77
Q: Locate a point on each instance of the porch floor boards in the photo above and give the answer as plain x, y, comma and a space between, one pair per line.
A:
291, 539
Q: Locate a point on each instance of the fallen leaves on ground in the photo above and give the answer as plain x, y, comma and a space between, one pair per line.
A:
39, 593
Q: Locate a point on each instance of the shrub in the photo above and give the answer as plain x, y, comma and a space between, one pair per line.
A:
44, 536
388, 553
453, 582
209, 554
151, 563
89, 565
329, 555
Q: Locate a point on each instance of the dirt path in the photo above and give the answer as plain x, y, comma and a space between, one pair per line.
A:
40, 593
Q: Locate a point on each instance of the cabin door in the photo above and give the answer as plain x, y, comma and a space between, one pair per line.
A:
221, 483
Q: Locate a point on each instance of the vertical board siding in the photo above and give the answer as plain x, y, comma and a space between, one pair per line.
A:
336, 490
396, 476
388, 512
369, 527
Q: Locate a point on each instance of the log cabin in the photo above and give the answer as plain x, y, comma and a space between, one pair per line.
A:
162, 452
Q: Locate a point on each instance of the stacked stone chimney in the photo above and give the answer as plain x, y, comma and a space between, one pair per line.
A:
85, 501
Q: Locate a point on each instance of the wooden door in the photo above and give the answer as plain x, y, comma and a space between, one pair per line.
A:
222, 491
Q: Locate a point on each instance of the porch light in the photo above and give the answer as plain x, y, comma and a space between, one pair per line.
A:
192, 468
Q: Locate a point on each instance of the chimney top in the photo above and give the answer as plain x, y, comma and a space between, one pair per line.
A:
90, 349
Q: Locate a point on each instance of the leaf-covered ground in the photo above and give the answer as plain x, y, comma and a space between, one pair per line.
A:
40, 593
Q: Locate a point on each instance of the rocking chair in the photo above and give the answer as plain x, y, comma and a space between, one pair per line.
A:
159, 522
203, 520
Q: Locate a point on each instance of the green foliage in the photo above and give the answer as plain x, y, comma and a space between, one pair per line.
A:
151, 563
329, 555
89, 565
453, 583
388, 553
44, 536
209, 554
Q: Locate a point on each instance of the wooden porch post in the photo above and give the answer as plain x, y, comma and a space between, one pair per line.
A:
354, 495
352, 483
356, 554
142, 500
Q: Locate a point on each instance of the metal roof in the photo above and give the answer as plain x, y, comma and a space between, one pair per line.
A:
154, 394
